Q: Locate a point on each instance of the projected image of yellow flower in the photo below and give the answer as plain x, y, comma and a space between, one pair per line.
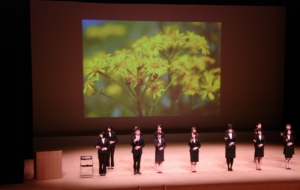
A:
151, 68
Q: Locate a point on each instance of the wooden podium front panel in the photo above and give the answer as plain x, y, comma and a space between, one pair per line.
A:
48, 165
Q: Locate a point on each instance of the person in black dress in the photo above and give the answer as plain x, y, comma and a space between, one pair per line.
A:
288, 150
259, 143
102, 146
194, 144
230, 141
112, 138
160, 145
159, 130
137, 143
258, 127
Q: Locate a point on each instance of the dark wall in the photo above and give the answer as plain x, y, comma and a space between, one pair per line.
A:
16, 133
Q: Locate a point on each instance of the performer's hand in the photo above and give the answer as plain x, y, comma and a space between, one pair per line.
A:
289, 144
195, 148
225, 138
260, 145
111, 142
104, 148
254, 140
135, 140
232, 143
98, 147
137, 147
161, 148
281, 134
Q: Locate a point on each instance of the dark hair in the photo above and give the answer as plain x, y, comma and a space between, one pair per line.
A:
259, 130
193, 128
102, 133
109, 127
159, 125
229, 126
137, 129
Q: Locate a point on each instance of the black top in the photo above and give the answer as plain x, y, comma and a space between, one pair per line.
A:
159, 145
140, 142
111, 137
102, 144
259, 141
229, 140
193, 144
287, 140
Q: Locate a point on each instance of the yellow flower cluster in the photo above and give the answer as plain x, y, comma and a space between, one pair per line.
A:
155, 63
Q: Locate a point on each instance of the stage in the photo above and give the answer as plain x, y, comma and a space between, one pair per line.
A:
211, 169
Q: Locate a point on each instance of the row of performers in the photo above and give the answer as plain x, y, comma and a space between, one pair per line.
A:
107, 140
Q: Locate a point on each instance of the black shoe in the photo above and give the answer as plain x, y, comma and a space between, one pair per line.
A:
134, 172
289, 168
230, 169
112, 168
139, 172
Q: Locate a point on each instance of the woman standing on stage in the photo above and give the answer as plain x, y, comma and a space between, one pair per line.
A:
102, 146
160, 145
112, 138
194, 144
259, 143
288, 150
137, 142
230, 141
258, 127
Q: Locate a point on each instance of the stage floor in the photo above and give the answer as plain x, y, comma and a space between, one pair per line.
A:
211, 169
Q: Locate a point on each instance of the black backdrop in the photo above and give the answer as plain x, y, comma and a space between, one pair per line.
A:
16, 130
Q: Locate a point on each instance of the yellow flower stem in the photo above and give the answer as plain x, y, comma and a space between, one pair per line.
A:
146, 86
171, 55
130, 91
103, 74
151, 109
138, 98
101, 93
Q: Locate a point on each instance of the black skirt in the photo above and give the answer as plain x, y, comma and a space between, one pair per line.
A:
288, 152
230, 153
259, 152
159, 156
194, 155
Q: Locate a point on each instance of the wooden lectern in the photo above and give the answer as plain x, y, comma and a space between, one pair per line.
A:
48, 165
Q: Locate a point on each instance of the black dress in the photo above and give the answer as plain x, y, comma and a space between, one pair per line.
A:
194, 154
111, 136
230, 150
159, 154
288, 151
259, 151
